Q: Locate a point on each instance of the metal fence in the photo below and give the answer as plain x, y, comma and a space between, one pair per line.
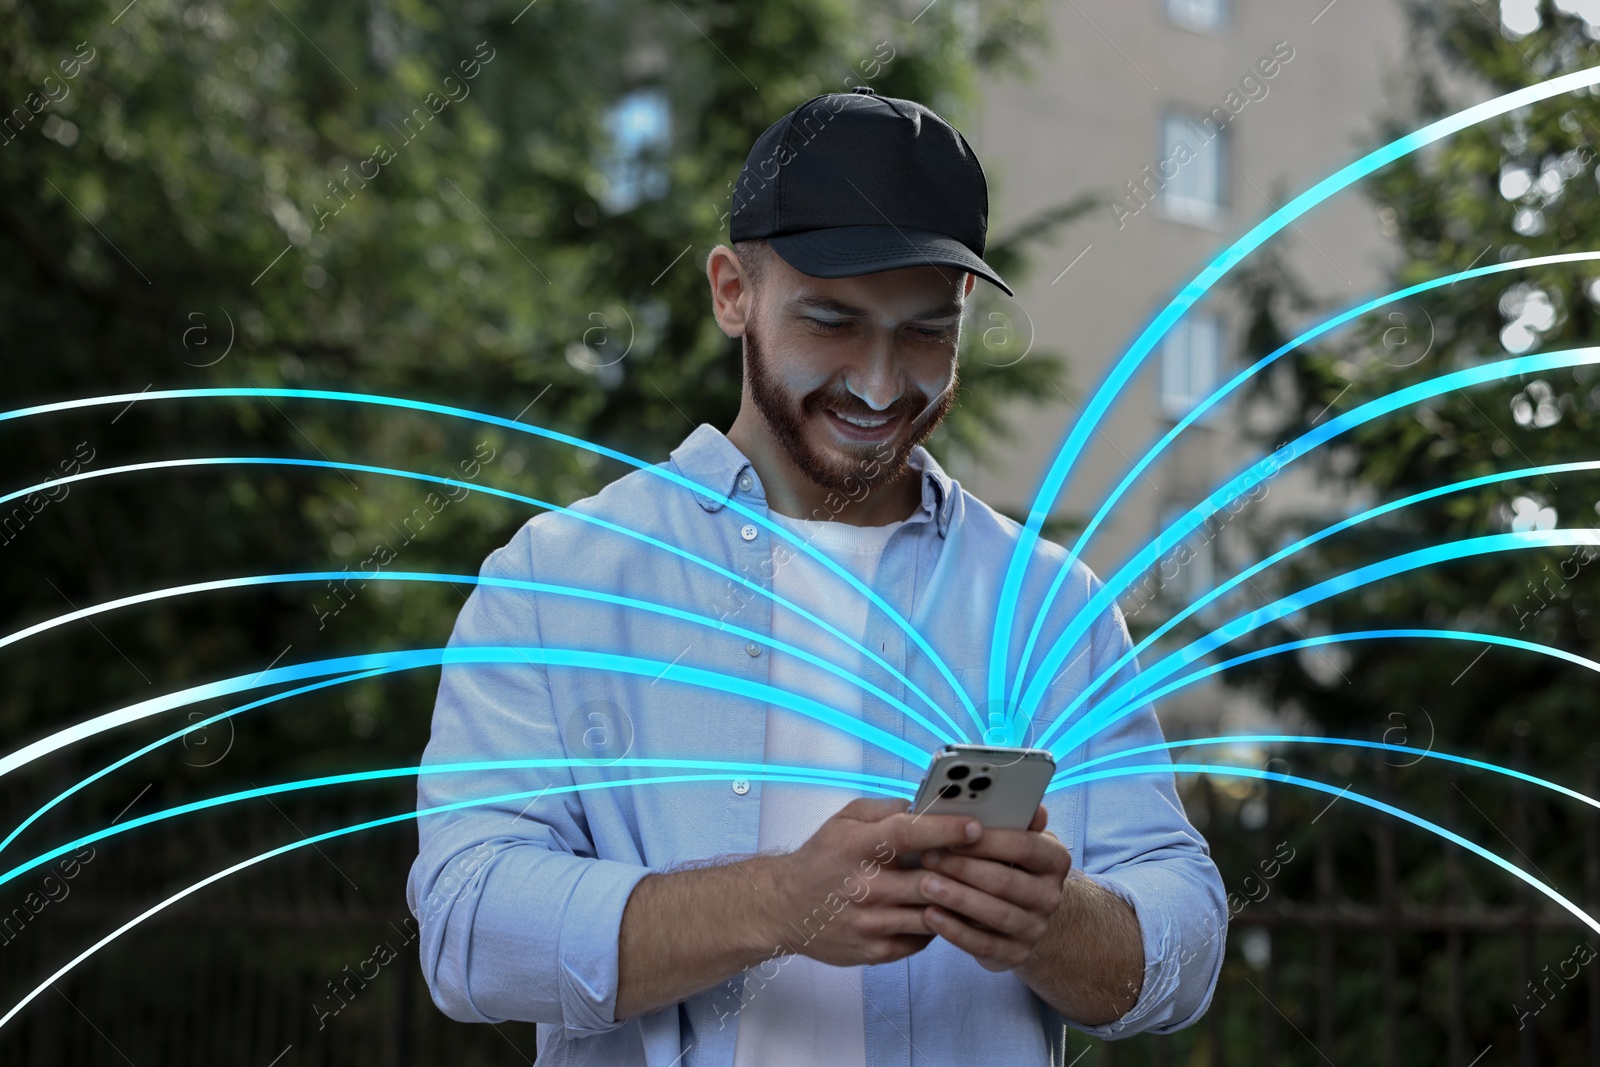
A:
282, 966
304, 961
1363, 975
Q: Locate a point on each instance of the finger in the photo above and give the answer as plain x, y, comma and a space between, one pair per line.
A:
993, 952
996, 913
874, 809
915, 833
1031, 850
1041, 819
1039, 894
900, 920
898, 888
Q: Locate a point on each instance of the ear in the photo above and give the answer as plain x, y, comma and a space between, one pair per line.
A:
972, 279
731, 295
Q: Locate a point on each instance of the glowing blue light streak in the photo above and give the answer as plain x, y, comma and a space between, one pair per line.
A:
461, 655
1303, 739
1049, 490
1112, 772
1466, 548
1238, 380
1139, 696
1346, 793
317, 839
575, 592
405, 576
1055, 478
877, 783
506, 494
655, 470
201, 725
1265, 468
1277, 557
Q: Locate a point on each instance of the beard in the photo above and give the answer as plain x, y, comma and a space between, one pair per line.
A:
871, 465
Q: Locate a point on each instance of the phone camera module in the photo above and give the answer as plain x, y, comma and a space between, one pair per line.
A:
958, 772
979, 784
950, 792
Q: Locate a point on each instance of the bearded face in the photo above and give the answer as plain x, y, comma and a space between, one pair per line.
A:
798, 375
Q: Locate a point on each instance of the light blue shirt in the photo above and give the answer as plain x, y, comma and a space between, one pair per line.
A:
520, 902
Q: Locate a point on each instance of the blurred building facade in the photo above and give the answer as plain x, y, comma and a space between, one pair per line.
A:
1187, 121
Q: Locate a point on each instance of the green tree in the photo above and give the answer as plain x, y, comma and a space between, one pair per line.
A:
1519, 187
428, 200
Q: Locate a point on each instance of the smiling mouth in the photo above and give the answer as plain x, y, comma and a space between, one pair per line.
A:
864, 422
864, 429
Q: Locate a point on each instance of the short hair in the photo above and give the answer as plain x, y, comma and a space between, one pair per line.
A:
753, 258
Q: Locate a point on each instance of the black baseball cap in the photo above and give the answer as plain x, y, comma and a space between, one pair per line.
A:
856, 183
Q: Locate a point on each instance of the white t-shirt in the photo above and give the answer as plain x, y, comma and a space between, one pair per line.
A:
811, 1012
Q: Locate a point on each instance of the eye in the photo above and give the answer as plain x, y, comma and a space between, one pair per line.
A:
828, 325
937, 333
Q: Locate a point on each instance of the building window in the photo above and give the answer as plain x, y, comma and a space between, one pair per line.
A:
640, 129
1198, 14
1189, 360
1194, 166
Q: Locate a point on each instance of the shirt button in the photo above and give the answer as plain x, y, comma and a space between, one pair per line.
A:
741, 786
746, 482
747, 532
752, 648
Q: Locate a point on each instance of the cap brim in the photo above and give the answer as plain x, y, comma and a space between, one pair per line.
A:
848, 251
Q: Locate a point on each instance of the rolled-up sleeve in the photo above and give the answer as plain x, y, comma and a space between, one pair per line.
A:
1139, 844
519, 918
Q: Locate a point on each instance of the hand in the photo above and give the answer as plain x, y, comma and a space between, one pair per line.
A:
993, 899
841, 899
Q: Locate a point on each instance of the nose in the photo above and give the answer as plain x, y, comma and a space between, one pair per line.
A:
877, 384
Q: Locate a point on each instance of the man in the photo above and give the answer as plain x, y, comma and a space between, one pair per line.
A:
751, 912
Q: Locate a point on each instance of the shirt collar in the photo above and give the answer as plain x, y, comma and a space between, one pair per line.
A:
707, 456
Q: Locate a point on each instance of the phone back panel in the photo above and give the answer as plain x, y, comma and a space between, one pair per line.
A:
1016, 781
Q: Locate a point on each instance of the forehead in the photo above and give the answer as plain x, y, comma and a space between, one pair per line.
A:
920, 291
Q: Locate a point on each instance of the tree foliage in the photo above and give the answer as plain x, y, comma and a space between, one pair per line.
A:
429, 200
1515, 188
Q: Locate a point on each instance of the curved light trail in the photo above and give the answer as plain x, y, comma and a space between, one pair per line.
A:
513, 655
363, 468
1238, 380
1466, 548
655, 470
1340, 638
1282, 554
1055, 479
1265, 468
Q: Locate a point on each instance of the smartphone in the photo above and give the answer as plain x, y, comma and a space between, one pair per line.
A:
999, 786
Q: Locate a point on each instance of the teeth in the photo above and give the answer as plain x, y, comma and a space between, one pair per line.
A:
865, 424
